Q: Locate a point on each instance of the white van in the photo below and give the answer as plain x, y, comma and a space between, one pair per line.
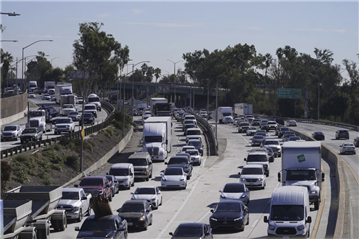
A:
124, 173
289, 212
94, 99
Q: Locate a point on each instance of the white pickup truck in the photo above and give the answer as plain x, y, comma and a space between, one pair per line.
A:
64, 124
76, 203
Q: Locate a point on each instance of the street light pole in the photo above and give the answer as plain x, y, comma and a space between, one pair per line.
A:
174, 75
53, 59
133, 69
23, 49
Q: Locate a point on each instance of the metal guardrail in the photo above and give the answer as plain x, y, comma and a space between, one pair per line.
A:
89, 130
208, 133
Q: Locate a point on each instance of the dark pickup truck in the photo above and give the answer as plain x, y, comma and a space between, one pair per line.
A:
31, 134
98, 186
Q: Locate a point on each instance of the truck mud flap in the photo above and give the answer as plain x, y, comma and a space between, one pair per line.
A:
100, 206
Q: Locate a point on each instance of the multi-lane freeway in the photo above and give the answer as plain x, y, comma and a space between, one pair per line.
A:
101, 115
193, 204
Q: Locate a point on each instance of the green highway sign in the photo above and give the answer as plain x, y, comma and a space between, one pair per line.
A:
289, 93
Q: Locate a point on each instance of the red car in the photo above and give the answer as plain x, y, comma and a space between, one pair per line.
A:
98, 186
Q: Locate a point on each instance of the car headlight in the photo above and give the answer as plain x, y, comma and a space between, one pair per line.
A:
271, 227
243, 179
144, 172
182, 179
239, 218
300, 228
313, 192
260, 179
67, 126
76, 208
213, 219
142, 218
243, 196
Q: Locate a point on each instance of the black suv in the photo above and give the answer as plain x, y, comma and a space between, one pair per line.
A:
342, 134
138, 213
89, 118
183, 162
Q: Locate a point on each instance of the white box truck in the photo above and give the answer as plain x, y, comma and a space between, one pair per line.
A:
49, 85
32, 86
155, 101
301, 166
224, 114
289, 212
243, 109
162, 123
62, 88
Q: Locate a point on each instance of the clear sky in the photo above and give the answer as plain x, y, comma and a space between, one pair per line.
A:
158, 31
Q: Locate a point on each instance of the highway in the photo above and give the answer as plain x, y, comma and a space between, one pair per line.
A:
193, 204
101, 115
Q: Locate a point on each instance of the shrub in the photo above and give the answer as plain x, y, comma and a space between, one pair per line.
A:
51, 155
6, 171
72, 161
56, 167
24, 159
109, 131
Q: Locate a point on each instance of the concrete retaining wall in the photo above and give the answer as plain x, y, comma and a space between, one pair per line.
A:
118, 148
13, 108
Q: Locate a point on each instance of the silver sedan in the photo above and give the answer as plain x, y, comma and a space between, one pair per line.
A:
347, 148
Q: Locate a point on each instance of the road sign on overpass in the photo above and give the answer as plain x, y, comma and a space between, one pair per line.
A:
285, 93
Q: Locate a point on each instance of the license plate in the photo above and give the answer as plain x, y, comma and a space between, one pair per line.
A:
224, 222
129, 223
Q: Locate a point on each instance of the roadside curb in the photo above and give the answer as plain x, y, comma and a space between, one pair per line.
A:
118, 148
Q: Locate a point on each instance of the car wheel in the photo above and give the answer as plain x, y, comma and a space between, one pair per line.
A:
133, 183
247, 221
110, 198
79, 219
89, 211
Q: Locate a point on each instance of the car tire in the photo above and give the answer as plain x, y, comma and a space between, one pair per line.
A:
89, 211
79, 219
110, 198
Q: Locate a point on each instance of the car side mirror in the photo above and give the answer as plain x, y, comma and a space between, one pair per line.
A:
245, 159
77, 229
76, 185
265, 219
118, 210
309, 220
106, 173
166, 163
340, 145
212, 210
239, 173
171, 233
132, 193
84, 198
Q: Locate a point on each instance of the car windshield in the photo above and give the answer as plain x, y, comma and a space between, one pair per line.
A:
258, 137
91, 182
299, 175
27, 131
98, 225
193, 132
234, 188
153, 139
244, 124
252, 128
184, 231
70, 195
284, 129
35, 113
90, 107
138, 161
271, 142
250, 171
178, 161
73, 113
94, 99
228, 207
318, 133
287, 213
132, 207
119, 171
87, 115
192, 152
257, 158
9, 128
63, 121
67, 106
194, 143
145, 191
348, 145
190, 117
185, 148
173, 171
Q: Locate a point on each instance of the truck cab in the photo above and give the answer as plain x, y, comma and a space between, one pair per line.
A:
37, 118
94, 99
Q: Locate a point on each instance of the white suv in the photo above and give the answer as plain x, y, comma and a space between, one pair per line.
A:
260, 158
253, 175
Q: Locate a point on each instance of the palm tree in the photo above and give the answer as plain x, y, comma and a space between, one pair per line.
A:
6, 59
157, 73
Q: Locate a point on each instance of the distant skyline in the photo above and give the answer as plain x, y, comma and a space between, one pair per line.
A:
165, 30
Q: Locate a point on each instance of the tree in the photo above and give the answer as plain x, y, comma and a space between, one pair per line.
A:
6, 59
100, 54
157, 73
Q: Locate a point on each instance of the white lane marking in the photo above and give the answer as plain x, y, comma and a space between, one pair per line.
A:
205, 215
255, 223
178, 211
